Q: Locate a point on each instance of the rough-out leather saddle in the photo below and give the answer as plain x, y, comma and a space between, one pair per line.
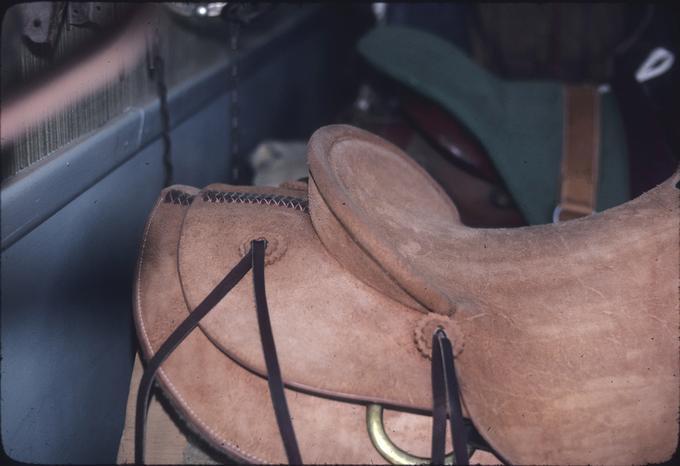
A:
564, 336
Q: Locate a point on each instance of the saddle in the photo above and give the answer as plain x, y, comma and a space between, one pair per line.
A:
564, 336
528, 128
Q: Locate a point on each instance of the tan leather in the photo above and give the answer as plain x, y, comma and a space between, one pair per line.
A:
581, 152
320, 311
226, 404
168, 441
566, 335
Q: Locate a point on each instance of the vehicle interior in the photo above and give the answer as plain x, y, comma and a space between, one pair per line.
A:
518, 117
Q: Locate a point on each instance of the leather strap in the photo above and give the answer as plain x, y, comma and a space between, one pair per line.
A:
580, 153
274, 378
177, 336
446, 399
253, 259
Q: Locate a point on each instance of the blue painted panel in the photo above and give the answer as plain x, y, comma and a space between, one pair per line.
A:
66, 322
67, 338
67, 335
199, 146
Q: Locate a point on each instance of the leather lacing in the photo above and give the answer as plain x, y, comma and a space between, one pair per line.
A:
256, 198
175, 196
445, 390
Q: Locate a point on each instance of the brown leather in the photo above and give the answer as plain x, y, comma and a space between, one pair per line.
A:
447, 133
313, 298
228, 405
565, 336
480, 204
581, 152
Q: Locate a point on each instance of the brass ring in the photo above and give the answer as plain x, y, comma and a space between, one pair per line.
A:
385, 446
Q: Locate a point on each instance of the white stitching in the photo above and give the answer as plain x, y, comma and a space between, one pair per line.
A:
217, 435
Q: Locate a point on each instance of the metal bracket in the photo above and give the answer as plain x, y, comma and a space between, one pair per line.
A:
42, 22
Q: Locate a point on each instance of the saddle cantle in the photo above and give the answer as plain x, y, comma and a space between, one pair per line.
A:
565, 336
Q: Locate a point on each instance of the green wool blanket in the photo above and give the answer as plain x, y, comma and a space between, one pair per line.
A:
518, 122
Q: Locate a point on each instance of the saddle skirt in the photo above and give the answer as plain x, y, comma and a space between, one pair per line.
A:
565, 336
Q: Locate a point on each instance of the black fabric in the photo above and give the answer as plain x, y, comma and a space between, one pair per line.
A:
269, 349
446, 399
649, 109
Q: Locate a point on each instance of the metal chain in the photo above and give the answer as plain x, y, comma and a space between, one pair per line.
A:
157, 73
165, 118
235, 132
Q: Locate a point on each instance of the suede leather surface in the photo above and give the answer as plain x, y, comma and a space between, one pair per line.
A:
228, 405
561, 323
341, 245
566, 336
325, 318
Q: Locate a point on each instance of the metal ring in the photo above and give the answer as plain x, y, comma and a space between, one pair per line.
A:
385, 446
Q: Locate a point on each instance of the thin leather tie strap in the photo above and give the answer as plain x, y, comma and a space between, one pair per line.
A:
445, 396
438, 407
274, 378
177, 336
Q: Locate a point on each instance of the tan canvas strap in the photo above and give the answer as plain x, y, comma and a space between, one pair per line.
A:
580, 153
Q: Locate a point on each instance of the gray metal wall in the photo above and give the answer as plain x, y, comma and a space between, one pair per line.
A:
71, 227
